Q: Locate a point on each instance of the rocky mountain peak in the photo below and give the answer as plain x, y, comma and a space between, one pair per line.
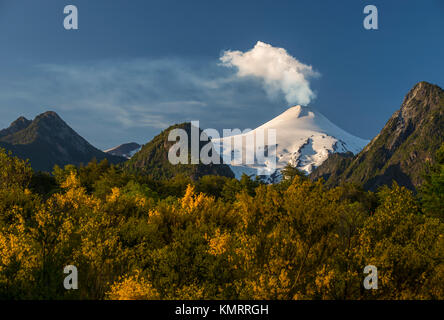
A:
19, 124
48, 140
399, 152
50, 118
419, 99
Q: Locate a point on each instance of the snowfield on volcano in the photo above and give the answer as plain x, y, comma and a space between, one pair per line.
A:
304, 138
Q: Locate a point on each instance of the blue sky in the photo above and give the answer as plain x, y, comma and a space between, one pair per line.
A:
135, 67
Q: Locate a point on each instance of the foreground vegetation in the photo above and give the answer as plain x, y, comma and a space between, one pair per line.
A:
133, 237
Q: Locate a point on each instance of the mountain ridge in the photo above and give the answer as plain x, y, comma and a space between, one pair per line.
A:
399, 152
126, 150
48, 140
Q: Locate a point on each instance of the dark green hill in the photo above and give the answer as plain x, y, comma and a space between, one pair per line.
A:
400, 151
47, 141
152, 159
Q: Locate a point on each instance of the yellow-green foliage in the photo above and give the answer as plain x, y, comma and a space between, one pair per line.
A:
135, 238
132, 287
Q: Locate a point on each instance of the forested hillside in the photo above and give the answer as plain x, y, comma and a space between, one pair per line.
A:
133, 237
153, 160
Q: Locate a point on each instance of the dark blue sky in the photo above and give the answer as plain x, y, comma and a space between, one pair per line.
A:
134, 67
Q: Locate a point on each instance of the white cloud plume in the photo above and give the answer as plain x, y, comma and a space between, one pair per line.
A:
279, 71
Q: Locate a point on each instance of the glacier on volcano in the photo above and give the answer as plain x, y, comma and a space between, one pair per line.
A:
304, 138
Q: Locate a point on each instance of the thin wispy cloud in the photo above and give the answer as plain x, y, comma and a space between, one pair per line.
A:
111, 102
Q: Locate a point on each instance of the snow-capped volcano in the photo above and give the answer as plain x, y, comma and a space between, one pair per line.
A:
126, 150
304, 138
